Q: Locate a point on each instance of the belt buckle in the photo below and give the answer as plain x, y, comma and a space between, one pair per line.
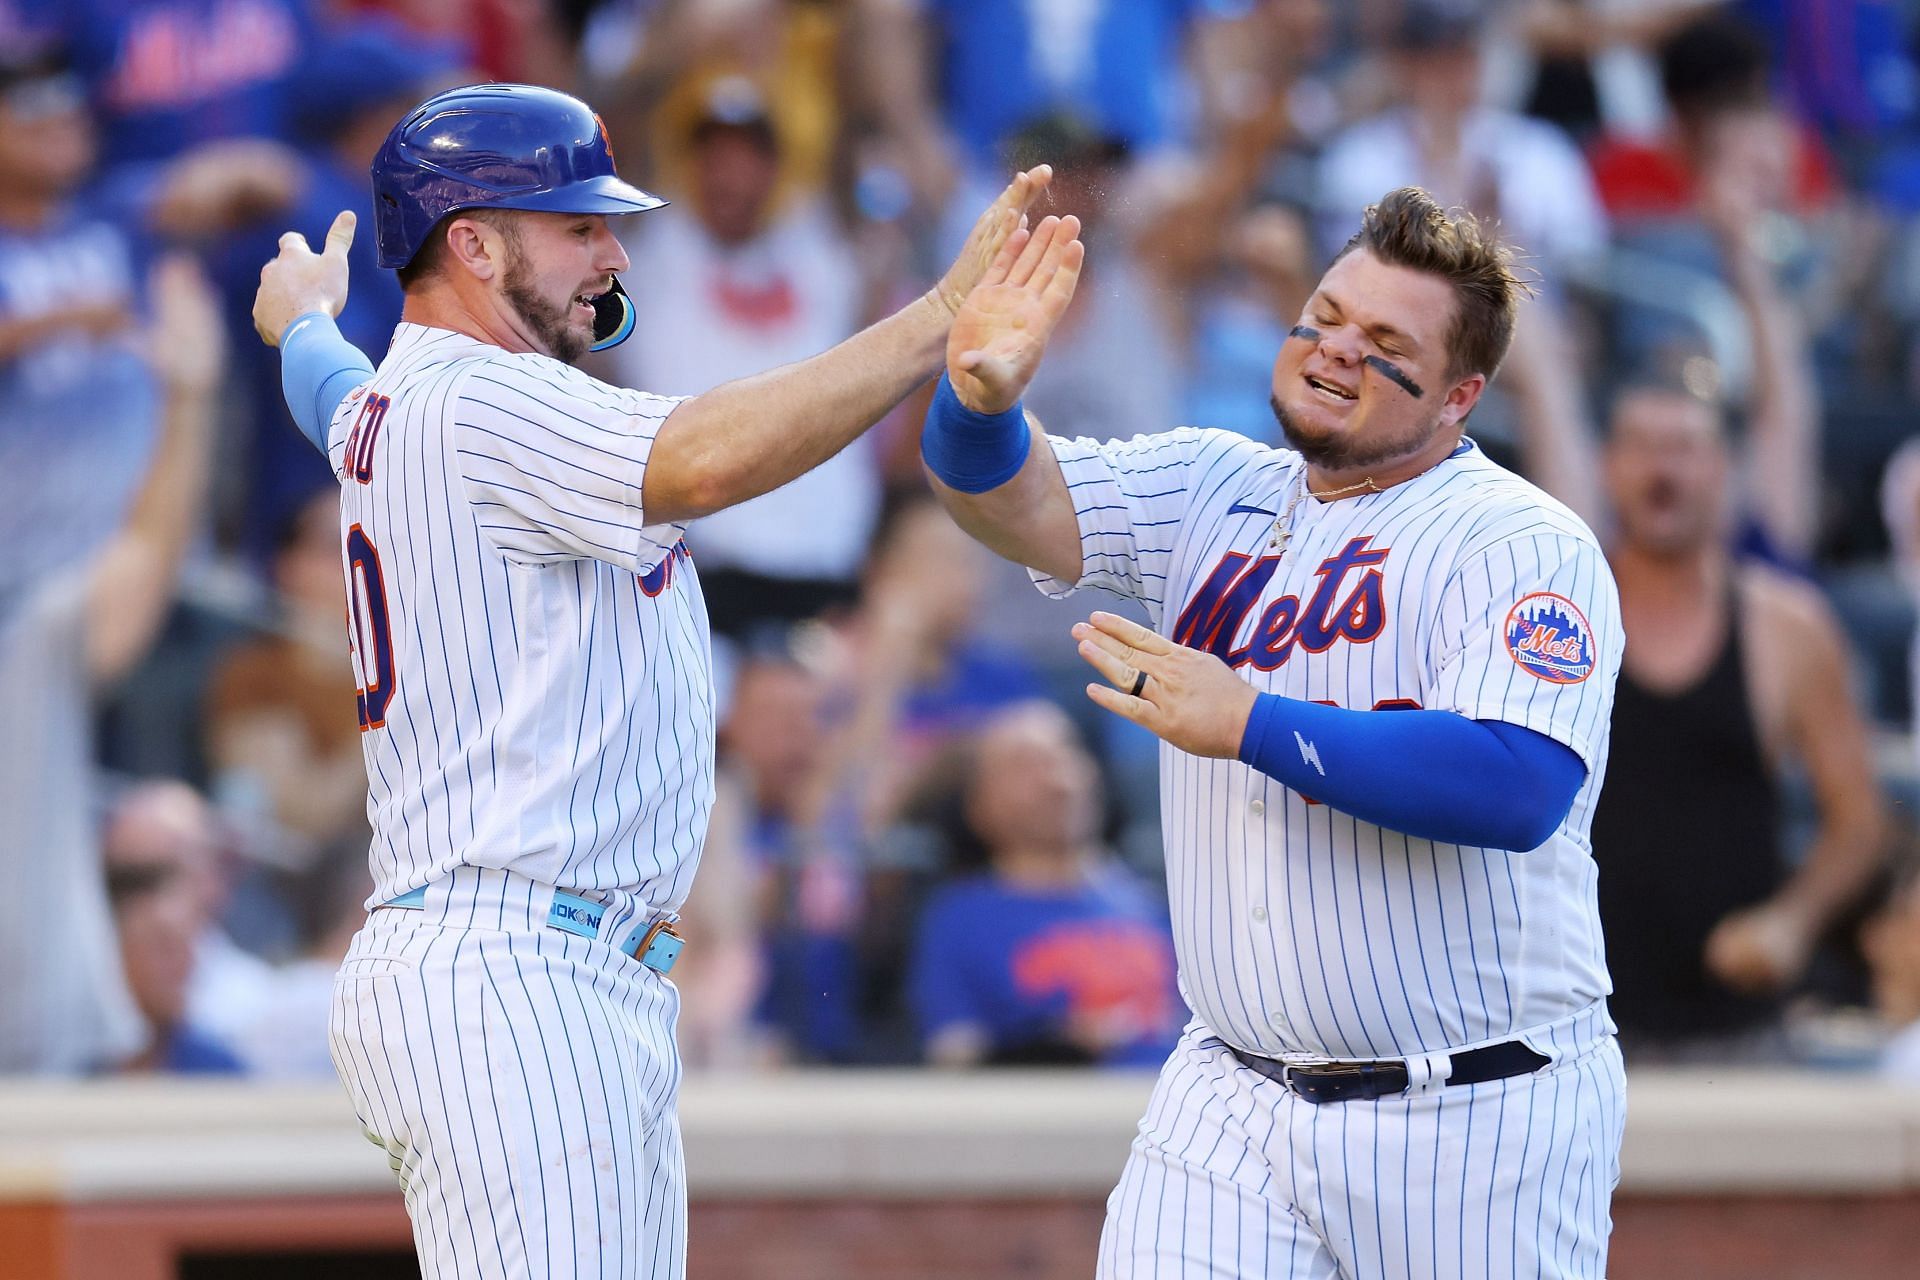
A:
1346, 1082
660, 947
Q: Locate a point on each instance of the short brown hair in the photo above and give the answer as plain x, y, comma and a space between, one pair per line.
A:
1409, 228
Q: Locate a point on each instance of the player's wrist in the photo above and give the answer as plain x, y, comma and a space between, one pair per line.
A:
945, 300
971, 451
1261, 712
301, 319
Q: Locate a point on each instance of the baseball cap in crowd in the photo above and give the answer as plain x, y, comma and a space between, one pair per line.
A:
733, 102
1066, 141
1429, 25
364, 64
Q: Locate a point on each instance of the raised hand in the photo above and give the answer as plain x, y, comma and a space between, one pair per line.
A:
298, 280
187, 340
998, 223
1003, 327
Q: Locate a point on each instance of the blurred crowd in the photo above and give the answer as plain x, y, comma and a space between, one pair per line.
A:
928, 846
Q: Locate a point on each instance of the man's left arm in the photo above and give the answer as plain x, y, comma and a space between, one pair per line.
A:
1434, 775
1766, 947
1522, 648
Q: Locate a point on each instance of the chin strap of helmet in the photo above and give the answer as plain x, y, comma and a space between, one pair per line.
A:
613, 318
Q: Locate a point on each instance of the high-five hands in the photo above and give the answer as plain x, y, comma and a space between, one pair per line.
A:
998, 223
1188, 697
1002, 330
298, 280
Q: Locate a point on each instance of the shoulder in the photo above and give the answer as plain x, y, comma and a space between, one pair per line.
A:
515, 381
1502, 507
1789, 610
1201, 449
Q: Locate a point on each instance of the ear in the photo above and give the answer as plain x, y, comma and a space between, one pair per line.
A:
476, 247
1461, 397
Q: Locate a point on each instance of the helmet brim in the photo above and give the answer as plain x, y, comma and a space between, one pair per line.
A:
605, 195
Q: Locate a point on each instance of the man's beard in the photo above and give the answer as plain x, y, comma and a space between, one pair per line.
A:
548, 322
1340, 454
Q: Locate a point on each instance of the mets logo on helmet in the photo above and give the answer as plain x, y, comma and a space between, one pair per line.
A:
1550, 638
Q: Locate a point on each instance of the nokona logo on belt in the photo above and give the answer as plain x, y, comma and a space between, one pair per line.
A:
578, 915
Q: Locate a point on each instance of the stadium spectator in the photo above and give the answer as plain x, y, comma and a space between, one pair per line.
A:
954, 80
1445, 137
92, 551
162, 849
283, 741
1775, 504
1054, 953
659, 61
1229, 242
273, 1016
732, 283
928, 626
164, 75
800, 850
1735, 672
280, 715
1592, 67
1119, 306
342, 97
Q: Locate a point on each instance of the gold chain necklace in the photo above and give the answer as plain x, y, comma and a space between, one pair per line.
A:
1283, 526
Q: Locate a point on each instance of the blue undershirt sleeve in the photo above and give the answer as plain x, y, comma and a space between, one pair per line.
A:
1431, 774
318, 368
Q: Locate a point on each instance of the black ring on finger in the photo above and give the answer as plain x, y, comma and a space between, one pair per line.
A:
1139, 683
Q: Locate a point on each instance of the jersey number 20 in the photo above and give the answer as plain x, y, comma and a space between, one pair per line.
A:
372, 635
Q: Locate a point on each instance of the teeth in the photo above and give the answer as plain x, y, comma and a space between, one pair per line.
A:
1329, 387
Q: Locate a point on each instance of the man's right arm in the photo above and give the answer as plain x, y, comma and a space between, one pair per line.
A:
1030, 519
990, 464
752, 435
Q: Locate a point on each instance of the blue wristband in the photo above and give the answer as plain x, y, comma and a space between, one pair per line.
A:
973, 452
318, 368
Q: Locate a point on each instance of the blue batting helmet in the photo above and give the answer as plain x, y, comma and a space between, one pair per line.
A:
493, 146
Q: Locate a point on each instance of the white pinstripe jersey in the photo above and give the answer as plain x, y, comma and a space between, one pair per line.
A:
533, 658
1301, 930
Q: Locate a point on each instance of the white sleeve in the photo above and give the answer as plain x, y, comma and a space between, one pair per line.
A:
553, 462
1130, 497
1528, 632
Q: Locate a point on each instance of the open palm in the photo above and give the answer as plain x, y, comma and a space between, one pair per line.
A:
1003, 327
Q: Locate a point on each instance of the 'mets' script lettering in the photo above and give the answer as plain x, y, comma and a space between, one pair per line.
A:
1335, 611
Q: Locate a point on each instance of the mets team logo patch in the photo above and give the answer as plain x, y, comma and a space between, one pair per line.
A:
1550, 638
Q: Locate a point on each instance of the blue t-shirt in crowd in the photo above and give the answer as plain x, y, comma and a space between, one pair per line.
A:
1114, 62
81, 408
1024, 964
190, 1051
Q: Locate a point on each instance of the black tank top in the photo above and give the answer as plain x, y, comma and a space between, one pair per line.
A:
1685, 832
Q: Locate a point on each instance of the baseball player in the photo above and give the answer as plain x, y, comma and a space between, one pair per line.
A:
533, 667
1382, 668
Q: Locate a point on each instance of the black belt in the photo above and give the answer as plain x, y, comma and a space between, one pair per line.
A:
1350, 1081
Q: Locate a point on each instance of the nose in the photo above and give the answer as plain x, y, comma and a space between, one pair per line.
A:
1341, 345
611, 255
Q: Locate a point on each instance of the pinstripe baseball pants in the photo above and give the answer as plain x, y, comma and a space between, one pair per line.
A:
1235, 1177
523, 1083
